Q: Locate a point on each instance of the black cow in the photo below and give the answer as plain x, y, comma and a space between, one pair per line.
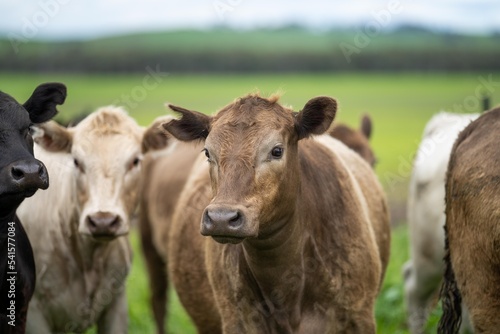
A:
20, 177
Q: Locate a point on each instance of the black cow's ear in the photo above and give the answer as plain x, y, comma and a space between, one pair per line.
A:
41, 105
192, 125
316, 117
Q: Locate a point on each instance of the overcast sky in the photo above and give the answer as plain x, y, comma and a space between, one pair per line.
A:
93, 18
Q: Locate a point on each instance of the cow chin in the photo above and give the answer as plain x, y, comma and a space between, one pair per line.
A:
227, 240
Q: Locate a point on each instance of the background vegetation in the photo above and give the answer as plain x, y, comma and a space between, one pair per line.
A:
267, 50
399, 103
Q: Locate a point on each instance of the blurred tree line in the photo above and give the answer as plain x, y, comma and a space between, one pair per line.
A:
289, 49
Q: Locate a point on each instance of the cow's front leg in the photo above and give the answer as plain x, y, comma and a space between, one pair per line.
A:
114, 318
36, 322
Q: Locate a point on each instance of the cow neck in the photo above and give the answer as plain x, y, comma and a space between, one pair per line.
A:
9, 217
272, 263
88, 252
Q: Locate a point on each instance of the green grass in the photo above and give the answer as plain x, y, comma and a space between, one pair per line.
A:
400, 105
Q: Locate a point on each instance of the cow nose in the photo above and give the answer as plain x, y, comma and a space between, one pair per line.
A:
222, 221
103, 224
29, 174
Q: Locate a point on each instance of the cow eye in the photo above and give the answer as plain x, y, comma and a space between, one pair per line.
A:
206, 153
135, 162
277, 152
26, 132
78, 165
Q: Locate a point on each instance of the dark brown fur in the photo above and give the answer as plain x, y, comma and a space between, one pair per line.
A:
317, 263
357, 139
472, 227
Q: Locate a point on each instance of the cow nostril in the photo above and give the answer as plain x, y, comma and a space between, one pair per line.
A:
17, 173
115, 222
236, 220
91, 222
41, 170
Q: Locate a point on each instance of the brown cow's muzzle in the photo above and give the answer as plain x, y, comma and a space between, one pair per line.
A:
227, 224
103, 225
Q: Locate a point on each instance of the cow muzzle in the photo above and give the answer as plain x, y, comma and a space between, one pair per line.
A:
24, 177
104, 225
227, 224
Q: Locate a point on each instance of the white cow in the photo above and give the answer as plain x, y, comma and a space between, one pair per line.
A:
426, 218
78, 226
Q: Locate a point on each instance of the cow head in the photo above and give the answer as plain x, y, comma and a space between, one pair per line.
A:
20, 173
106, 149
357, 139
251, 147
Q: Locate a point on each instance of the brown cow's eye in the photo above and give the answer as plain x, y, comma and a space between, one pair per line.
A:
277, 152
206, 153
136, 162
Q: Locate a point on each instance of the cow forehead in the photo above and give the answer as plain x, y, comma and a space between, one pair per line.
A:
12, 114
108, 134
251, 118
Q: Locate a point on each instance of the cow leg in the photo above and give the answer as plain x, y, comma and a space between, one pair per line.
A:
114, 318
157, 274
36, 323
421, 284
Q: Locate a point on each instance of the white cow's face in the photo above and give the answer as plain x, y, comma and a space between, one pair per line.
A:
107, 181
106, 152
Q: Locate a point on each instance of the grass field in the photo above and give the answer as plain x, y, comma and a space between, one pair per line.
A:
400, 105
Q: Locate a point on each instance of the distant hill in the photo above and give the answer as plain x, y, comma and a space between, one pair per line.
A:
276, 50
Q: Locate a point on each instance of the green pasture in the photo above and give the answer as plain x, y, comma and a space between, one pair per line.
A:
399, 104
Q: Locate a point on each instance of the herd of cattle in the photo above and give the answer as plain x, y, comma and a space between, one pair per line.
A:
265, 220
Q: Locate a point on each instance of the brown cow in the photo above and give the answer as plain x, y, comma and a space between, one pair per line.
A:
300, 224
472, 228
357, 140
165, 174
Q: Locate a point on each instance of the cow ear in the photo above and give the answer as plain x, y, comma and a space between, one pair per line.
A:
316, 116
192, 125
156, 137
41, 105
53, 137
366, 126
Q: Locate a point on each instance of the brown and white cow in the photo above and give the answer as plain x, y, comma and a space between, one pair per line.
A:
472, 257
81, 249
298, 223
165, 174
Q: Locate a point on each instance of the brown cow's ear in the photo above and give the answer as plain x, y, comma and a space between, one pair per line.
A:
316, 117
366, 126
192, 125
156, 137
53, 137
41, 105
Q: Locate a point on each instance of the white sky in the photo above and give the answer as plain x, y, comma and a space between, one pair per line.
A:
92, 18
